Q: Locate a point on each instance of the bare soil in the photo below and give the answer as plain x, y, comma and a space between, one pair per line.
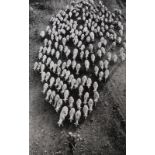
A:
104, 132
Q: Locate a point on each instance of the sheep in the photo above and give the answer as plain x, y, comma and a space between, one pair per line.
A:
109, 56
49, 43
68, 53
41, 49
59, 85
85, 111
59, 62
47, 28
68, 63
52, 80
44, 50
122, 56
59, 105
48, 61
42, 34
103, 50
87, 64
78, 104
84, 80
43, 76
58, 71
66, 94
82, 47
75, 53
56, 45
45, 42
60, 48
44, 58
48, 94
73, 64
91, 47
101, 74
53, 93
82, 37
81, 55
35, 66
78, 66
63, 88
45, 87
52, 51
57, 55
64, 41
81, 89
99, 53
86, 54
71, 114
63, 114
77, 117
73, 81
48, 74
114, 58
88, 39
86, 96
99, 45
56, 98
92, 36
90, 104
63, 73
40, 55
64, 65
79, 44
106, 74
67, 75
54, 68
96, 97
57, 81
89, 82
106, 64
51, 65
39, 66
101, 64
71, 102
96, 70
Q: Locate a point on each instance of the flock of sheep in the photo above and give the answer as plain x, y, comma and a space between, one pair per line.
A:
77, 52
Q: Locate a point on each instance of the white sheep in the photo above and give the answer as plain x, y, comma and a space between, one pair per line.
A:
71, 114
43, 76
84, 80
63, 73
39, 66
96, 97
68, 53
71, 102
82, 47
78, 66
52, 80
99, 53
66, 94
64, 87
59, 105
78, 104
101, 64
75, 53
85, 111
44, 58
53, 93
73, 64
81, 55
86, 96
64, 65
58, 71
109, 56
86, 54
54, 68
44, 50
101, 74
48, 74
52, 51
48, 61
57, 55
106, 64
42, 34
71, 76
67, 75
87, 64
106, 74
92, 58
35, 66
90, 104
45, 42
48, 94
59, 62
51, 65
92, 36
79, 44
91, 47
96, 70
103, 50
56, 98
40, 55
81, 89
56, 45
89, 82
63, 114
41, 49
60, 84
69, 62
45, 87
47, 28
77, 117
57, 81
95, 86
73, 83
114, 58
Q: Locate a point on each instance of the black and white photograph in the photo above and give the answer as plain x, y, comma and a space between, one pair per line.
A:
77, 77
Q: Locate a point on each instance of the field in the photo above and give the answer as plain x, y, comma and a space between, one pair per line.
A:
104, 132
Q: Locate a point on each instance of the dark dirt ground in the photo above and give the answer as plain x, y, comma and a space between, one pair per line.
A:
104, 131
